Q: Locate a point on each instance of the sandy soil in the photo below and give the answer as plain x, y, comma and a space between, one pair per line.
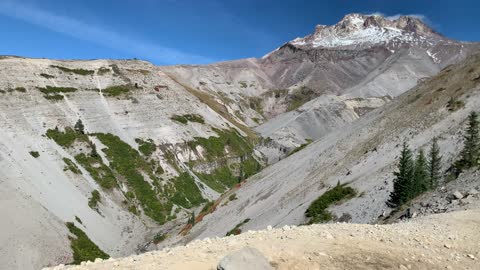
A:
444, 241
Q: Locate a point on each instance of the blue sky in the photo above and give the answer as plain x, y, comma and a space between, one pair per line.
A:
196, 31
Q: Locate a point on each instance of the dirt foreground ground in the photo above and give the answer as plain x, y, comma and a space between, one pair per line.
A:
444, 241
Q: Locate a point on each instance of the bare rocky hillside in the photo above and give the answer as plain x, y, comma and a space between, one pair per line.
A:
362, 155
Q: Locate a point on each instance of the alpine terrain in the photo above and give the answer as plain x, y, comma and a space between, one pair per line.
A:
109, 158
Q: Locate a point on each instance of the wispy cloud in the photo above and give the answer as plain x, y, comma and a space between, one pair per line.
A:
96, 34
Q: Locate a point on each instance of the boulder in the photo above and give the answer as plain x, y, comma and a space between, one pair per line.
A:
245, 258
457, 194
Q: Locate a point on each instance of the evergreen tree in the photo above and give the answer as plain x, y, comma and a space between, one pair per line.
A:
434, 167
421, 180
471, 149
403, 178
79, 127
191, 220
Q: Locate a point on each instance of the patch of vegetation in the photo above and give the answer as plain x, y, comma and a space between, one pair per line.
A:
236, 230
215, 146
47, 76
317, 211
454, 104
20, 89
301, 147
299, 97
127, 162
94, 199
55, 97
249, 167
184, 119
117, 90
67, 137
78, 71
55, 90
242, 84
186, 193
100, 172
34, 154
207, 207
83, 248
71, 166
255, 103
220, 179
232, 197
159, 237
146, 147
78, 220
103, 70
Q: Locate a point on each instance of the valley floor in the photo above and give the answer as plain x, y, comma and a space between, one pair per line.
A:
443, 241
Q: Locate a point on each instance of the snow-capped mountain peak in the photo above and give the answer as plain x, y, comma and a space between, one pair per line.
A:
357, 29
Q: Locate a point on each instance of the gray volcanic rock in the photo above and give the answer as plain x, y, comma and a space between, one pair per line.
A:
245, 258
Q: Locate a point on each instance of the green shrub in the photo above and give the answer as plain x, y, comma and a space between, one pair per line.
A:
67, 137
317, 211
301, 147
78, 71
146, 147
34, 154
236, 230
159, 237
184, 119
54, 97
118, 90
103, 70
71, 166
94, 199
454, 104
21, 89
55, 90
243, 84
206, 208
232, 197
83, 248
47, 76
78, 220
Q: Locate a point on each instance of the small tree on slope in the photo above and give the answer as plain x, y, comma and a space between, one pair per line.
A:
79, 127
471, 149
434, 164
421, 181
403, 177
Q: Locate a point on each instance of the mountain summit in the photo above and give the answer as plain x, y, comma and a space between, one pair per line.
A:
357, 29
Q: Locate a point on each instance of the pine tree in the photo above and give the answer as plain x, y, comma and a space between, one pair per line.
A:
403, 178
421, 180
434, 166
471, 149
79, 127
191, 220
